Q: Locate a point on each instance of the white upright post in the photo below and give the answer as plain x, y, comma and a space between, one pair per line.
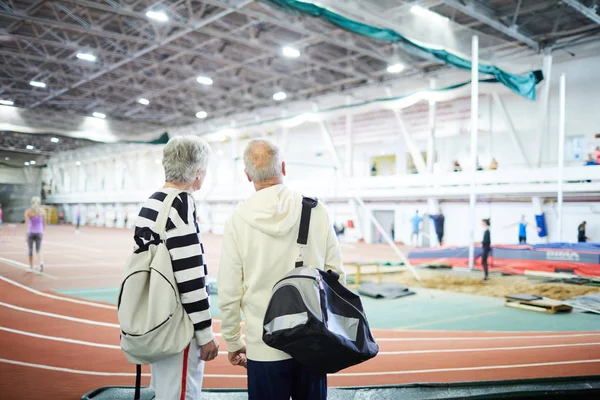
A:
543, 112
349, 141
474, 129
561, 154
431, 138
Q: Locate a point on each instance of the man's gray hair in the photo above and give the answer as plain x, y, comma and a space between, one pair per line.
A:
262, 160
183, 156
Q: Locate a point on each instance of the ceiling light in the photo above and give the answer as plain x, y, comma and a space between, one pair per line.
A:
32, 162
395, 68
204, 80
26, 163
201, 114
279, 96
290, 52
37, 84
6, 158
7, 102
86, 57
423, 12
29, 147
78, 163
157, 16
143, 101
99, 115
55, 140
157, 161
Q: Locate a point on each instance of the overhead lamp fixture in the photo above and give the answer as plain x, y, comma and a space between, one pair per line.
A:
29, 147
395, 68
279, 96
55, 140
204, 80
99, 115
37, 84
87, 57
157, 16
78, 163
7, 102
32, 162
6, 158
143, 101
26, 163
201, 114
424, 12
290, 52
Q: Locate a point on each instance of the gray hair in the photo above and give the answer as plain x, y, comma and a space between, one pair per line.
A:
262, 166
183, 156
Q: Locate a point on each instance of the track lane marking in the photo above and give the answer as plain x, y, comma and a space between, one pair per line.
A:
25, 267
449, 338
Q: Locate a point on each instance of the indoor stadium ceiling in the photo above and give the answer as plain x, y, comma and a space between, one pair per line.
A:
162, 62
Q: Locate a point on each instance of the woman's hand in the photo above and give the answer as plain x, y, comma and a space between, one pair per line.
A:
209, 351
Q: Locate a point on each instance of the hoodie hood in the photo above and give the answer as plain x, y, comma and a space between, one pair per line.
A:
273, 211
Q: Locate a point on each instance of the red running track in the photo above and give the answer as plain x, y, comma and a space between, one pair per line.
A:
64, 347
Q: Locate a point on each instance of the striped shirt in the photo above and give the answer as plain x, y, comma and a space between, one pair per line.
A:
187, 255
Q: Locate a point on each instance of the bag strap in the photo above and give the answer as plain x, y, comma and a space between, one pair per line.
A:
138, 382
163, 214
308, 203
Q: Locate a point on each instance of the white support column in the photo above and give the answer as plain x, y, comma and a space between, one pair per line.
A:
561, 153
474, 134
330, 145
349, 141
431, 138
511, 128
543, 111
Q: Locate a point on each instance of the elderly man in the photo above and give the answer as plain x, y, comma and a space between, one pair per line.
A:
259, 248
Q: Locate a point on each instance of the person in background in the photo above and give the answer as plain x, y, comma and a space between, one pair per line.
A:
416, 221
522, 229
185, 161
591, 160
259, 248
374, 170
581, 238
493, 165
597, 155
478, 166
0, 217
456, 166
78, 220
35, 219
486, 246
438, 222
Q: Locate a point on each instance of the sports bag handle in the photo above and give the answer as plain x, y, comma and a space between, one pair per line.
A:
163, 214
308, 204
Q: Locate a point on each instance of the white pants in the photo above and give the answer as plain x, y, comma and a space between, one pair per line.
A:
178, 377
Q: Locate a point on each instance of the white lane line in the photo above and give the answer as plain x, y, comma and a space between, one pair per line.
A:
67, 340
68, 318
412, 339
422, 371
96, 373
72, 246
51, 296
25, 267
60, 339
59, 316
486, 367
549, 346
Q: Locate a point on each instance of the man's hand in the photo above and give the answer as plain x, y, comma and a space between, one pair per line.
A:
209, 351
238, 358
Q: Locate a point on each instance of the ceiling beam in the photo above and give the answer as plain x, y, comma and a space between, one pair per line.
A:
589, 12
475, 12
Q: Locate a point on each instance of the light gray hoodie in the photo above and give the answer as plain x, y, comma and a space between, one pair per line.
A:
259, 248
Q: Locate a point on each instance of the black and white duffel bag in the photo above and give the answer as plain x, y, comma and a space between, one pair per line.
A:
314, 318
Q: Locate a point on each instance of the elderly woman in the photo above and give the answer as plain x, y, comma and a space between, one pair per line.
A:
185, 160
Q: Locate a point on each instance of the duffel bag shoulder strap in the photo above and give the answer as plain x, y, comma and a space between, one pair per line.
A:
308, 204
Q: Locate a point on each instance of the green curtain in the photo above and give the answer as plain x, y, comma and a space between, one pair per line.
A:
521, 84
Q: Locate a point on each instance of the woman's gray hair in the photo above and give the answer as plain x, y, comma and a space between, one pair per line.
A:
262, 160
183, 156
